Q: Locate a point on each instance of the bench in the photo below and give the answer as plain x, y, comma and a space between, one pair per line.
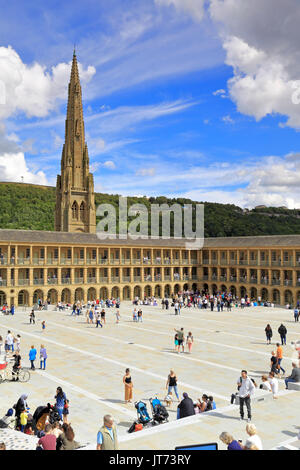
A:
294, 386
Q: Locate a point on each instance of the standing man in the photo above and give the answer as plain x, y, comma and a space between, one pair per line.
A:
107, 438
282, 331
246, 389
296, 314
180, 338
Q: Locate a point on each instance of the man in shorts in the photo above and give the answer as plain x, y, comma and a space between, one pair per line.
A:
180, 339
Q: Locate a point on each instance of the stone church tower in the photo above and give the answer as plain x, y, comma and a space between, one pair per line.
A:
75, 200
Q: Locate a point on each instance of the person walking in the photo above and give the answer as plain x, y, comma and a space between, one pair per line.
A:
43, 357
134, 315
274, 363
245, 390
127, 381
107, 438
32, 317
189, 341
180, 338
283, 332
273, 381
98, 320
140, 315
172, 384
269, 333
279, 355
32, 357
296, 314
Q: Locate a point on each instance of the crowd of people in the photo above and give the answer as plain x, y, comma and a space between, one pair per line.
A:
57, 433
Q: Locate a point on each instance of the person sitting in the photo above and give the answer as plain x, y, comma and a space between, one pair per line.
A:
67, 438
295, 375
185, 407
231, 443
265, 384
202, 405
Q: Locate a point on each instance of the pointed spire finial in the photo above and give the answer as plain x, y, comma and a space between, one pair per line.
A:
74, 51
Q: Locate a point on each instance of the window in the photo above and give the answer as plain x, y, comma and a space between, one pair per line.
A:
75, 211
82, 211
42, 253
55, 253
81, 254
69, 254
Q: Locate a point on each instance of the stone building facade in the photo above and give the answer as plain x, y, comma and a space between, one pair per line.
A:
73, 264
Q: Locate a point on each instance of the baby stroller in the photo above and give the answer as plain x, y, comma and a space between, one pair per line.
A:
159, 411
143, 417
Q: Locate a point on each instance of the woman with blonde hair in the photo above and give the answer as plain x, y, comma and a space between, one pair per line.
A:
172, 384
253, 439
231, 443
127, 381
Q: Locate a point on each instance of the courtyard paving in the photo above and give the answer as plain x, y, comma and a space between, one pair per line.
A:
89, 365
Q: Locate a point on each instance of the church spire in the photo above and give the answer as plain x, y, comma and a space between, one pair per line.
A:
75, 176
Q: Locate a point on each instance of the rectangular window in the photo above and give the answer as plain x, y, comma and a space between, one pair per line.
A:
69, 253
42, 253
55, 253
94, 254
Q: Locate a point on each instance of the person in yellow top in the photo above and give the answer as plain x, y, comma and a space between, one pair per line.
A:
279, 356
23, 419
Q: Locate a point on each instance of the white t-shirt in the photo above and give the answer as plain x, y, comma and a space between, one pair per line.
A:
266, 386
274, 385
254, 440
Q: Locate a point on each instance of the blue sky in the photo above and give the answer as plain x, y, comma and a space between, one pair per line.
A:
179, 98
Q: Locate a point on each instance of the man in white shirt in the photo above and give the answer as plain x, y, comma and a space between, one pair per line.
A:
10, 341
246, 389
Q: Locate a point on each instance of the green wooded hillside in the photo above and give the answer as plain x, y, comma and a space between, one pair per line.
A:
31, 207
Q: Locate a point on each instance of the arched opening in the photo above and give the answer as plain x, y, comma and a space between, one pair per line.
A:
253, 293
194, 287
233, 290
91, 294
2, 298
288, 297
214, 288
186, 287
103, 293
66, 296
115, 292
167, 291
82, 211
23, 298
243, 291
79, 295
75, 210
126, 293
176, 289
264, 294
52, 296
157, 291
223, 288
276, 296
137, 292
38, 295
147, 291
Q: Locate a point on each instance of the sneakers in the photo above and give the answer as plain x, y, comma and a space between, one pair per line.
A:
249, 420
241, 419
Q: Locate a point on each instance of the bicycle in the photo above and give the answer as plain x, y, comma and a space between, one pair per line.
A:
7, 373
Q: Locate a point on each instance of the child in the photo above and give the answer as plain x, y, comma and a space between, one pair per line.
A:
23, 419
43, 325
18, 341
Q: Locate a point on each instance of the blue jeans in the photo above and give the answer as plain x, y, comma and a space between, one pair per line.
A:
287, 381
41, 362
175, 390
279, 362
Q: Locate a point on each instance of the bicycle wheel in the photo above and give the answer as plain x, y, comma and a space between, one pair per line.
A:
24, 376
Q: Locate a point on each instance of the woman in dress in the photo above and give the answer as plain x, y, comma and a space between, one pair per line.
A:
127, 381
